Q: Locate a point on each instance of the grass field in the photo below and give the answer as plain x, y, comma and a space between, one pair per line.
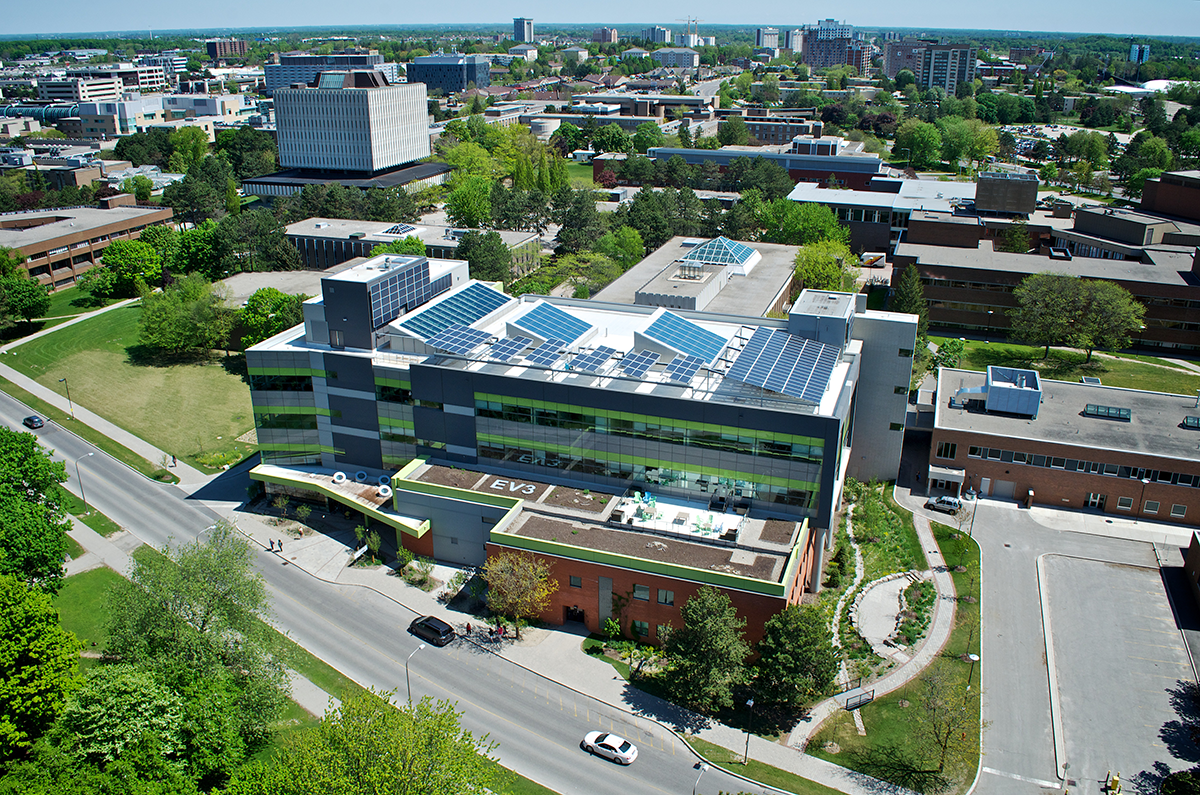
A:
891, 749
89, 516
193, 411
579, 172
72, 301
759, 771
80, 604
1065, 365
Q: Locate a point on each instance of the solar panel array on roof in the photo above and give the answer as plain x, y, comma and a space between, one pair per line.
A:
682, 368
462, 308
636, 364
507, 349
399, 229
781, 362
546, 354
720, 251
685, 337
592, 361
458, 339
549, 322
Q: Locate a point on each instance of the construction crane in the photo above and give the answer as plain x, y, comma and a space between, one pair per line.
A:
690, 21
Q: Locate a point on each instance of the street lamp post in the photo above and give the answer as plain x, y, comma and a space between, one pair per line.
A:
1142, 496
79, 477
407, 681
974, 658
989, 334
746, 758
703, 769
67, 384
908, 159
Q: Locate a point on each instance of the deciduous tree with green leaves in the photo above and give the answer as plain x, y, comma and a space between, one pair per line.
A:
22, 298
920, 141
410, 246
38, 661
1046, 305
733, 131
647, 135
269, 311
1107, 319
1015, 237
826, 265
116, 706
469, 204
190, 317
519, 585
796, 661
707, 655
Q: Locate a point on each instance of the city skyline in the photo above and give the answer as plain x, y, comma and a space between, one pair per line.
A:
74, 17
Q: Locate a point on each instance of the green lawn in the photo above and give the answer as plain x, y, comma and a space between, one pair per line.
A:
90, 517
194, 411
74, 550
1065, 365
80, 603
72, 301
891, 749
759, 771
579, 172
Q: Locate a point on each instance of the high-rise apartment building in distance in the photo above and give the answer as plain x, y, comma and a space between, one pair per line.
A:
1139, 53
687, 40
225, 48
793, 39
947, 65
451, 72
832, 43
303, 67
604, 35
522, 30
657, 35
766, 37
352, 122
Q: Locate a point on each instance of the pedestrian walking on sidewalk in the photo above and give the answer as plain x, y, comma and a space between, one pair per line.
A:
280, 543
271, 544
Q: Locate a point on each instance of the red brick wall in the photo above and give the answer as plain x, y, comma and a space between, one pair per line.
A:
1063, 489
421, 547
1163, 197
755, 608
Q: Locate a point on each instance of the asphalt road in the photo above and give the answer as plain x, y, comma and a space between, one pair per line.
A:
537, 723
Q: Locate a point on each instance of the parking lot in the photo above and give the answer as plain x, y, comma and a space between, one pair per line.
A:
1119, 657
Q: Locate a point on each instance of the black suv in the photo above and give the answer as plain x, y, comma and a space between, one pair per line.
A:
432, 629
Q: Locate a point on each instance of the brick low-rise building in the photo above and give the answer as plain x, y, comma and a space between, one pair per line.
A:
1174, 193
1010, 434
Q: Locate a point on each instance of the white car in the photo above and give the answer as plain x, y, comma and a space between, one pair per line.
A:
610, 746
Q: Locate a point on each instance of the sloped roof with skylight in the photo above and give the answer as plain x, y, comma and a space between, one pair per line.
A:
720, 251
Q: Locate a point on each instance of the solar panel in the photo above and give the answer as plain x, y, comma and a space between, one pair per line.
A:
458, 339
464, 307
685, 337
549, 322
682, 368
636, 365
781, 362
592, 361
546, 354
507, 349
399, 229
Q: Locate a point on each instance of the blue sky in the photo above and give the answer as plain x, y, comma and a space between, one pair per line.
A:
1154, 17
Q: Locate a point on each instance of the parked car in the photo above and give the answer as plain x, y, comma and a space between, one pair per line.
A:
610, 746
33, 421
945, 504
432, 629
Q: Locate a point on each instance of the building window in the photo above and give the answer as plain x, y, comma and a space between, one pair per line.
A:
1124, 503
974, 452
641, 592
896, 426
900, 390
640, 629
576, 582
1177, 512
947, 450
1151, 506
666, 597
337, 339
906, 353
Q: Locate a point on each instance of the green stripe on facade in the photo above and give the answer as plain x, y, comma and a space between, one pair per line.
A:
396, 382
395, 423
649, 463
317, 486
301, 448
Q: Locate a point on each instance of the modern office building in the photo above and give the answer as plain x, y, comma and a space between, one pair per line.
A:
657, 35
1011, 434
522, 30
291, 68
225, 48
605, 35
451, 73
677, 57
116, 117
79, 89
352, 122
766, 37
61, 244
144, 78
808, 160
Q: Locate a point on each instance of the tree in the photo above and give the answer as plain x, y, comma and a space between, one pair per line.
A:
624, 245
611, 138
798, 224
734, 132
946, 721
410, 246
910, 297
250, 152
956, 138
116, 706
487, 256
140, 186
519, 585
268, 312
648, 134
190, 317
469, 204
708, 653
38, 660
1015, 237
1046, 305
826, 265
368, 745
921, 141
189, 145
796, 662
1048, 173
982, 143
200, 250
133, 265
580, 225
22, 297
10, 261
1108, 316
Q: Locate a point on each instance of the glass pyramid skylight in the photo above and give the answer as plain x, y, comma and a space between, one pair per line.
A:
720, 251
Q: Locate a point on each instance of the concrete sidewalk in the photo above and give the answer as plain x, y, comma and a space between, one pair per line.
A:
76, 319
551, 653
